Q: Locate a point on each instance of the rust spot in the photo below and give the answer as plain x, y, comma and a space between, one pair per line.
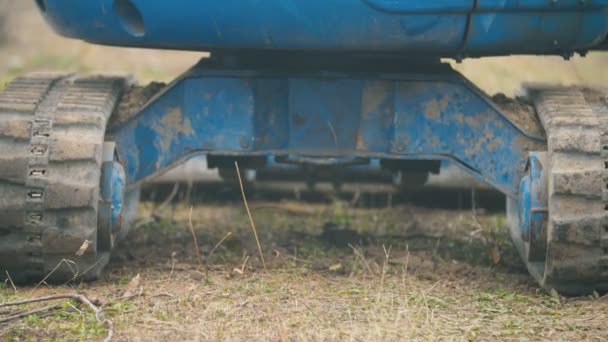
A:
171, 126
459, 117
432, 111
444, 102
492, 142
361, 144
434, 108
432, 140
473, 121
174, 122
400, 143
373, 96
486, 142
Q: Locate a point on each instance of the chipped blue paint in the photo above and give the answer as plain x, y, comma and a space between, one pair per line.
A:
435, 115
118, 193
112, 193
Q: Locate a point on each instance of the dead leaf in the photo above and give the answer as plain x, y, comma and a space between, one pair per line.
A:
237, 270
133, 287
83, 248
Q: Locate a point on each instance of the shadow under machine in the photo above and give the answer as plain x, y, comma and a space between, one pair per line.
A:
331, 83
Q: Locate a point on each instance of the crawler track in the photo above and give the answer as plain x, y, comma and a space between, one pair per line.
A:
51, 138
576, 124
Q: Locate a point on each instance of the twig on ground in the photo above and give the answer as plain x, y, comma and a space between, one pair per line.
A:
75, 309
198, 252
29, 313
218, 244
98, 311
478, 230
213, 250
311, 311
244, 264
69, 263
144, 294
255, 232
362, 258
241, 271
162, 294
11, 281
296, 260
387, 255
173, 261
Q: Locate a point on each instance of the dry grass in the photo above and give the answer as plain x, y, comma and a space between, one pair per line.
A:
437, 282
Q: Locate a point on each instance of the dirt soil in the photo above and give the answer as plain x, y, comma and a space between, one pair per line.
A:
332, 272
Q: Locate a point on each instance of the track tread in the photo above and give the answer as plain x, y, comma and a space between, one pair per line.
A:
576, 123
51, 134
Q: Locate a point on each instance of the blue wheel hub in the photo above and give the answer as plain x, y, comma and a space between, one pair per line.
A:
533, 207
112, 198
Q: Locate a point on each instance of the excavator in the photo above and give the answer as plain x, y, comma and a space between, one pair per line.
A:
311, 83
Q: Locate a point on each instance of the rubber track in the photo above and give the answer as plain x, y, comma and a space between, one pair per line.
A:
51, 138
576, 125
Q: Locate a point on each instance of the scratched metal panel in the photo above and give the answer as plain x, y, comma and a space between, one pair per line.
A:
271, 97
445, 118
323, 113
204, 114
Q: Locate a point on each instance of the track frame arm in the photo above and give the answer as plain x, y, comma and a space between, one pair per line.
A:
380, 108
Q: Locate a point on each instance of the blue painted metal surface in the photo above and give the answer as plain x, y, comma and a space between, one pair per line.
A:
533, 207
434, 115
112, 193
118, 193
441, 28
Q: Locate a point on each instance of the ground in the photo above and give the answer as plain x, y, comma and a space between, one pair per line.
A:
406, 272
334, 269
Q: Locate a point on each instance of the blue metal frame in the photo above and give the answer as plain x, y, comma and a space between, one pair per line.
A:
425, 112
